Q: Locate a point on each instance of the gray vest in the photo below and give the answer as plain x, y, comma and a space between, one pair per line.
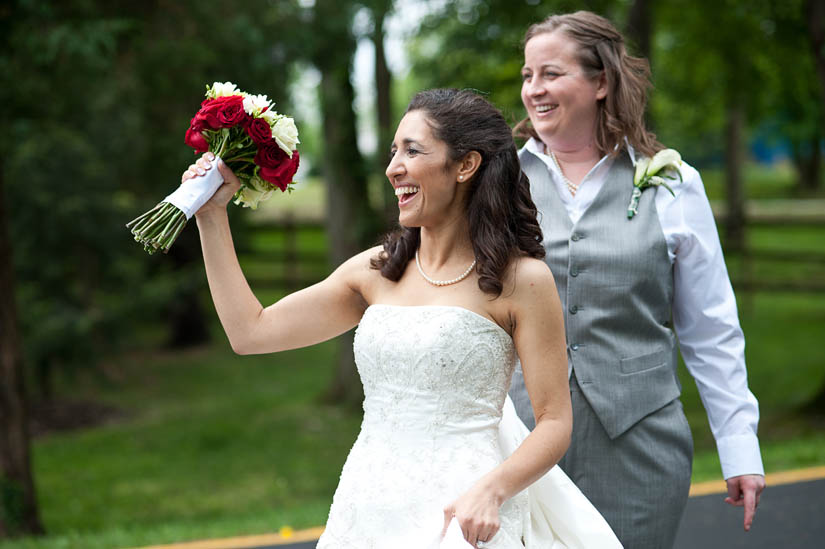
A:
616, 287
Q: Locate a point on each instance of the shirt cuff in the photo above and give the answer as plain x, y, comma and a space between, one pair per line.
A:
739, 455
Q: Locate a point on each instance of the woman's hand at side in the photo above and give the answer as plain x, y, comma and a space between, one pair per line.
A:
225, 192
477, 513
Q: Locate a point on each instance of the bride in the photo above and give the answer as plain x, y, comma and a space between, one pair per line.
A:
442, 310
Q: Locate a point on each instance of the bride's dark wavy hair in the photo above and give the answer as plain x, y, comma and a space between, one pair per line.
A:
499, 208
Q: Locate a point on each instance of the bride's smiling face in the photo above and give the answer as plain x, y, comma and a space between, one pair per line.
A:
423, 175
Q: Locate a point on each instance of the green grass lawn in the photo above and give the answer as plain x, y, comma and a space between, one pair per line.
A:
786, 366
213, 444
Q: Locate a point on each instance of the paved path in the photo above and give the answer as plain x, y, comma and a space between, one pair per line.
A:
791, 516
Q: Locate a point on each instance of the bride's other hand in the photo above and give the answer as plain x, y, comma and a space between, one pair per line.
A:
225, 192
477, 514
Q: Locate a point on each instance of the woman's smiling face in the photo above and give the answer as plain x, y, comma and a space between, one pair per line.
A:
560, 98
422, 174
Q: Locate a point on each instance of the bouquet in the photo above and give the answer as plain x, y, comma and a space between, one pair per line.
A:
254, 141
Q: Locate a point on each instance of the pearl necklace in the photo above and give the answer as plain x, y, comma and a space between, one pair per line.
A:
572, 187
459, 278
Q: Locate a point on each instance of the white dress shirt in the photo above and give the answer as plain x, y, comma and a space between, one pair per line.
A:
704, 307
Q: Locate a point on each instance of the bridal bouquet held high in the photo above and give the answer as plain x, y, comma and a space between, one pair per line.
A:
253, 140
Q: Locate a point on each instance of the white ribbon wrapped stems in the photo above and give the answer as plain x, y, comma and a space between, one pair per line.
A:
194, 193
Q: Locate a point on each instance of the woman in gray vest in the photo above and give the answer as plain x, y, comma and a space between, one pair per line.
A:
629, 286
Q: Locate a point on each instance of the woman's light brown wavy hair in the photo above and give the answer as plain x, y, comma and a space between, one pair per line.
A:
500, 211
601, 49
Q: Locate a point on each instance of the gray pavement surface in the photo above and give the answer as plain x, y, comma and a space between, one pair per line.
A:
790, 516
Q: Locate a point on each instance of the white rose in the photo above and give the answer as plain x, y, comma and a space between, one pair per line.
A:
271, 116
255, 104
251, 194
285, 134
222, 89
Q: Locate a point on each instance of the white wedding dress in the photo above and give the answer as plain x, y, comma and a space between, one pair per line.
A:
436, 419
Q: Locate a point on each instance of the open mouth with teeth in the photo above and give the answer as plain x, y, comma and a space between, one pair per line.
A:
405, 194
541, 109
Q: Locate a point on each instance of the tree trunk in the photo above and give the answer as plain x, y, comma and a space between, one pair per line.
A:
807, 159
351, 225
734, 159
346, 188
383, 87
18, 502
639, 25
639, 31
816, 406
815, 11
816, 31
185, 314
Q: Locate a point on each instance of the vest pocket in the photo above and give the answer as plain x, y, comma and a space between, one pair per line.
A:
644, 362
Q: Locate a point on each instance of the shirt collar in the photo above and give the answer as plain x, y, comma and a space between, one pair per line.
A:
536, 147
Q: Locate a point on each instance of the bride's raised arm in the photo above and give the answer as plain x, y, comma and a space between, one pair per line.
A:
314, 314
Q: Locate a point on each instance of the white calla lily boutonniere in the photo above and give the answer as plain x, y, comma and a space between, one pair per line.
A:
654, 172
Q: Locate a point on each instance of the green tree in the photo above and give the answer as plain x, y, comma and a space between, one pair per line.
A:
19, 512
380, 10
484, 42
709, 80
747, 68
103, 94
328, 43
18, 501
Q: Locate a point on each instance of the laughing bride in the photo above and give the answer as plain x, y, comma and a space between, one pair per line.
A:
442, 308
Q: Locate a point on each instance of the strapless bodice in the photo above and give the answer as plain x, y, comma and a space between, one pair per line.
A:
432, 370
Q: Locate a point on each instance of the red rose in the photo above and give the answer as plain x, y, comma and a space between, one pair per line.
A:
231, 112
280, 174
196, 124
195, 139
259, 130
211, 114
207, 117
270, 155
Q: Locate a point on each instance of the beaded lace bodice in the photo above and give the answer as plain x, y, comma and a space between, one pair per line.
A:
435, 380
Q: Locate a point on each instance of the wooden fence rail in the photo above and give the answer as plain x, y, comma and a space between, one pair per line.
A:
300, 267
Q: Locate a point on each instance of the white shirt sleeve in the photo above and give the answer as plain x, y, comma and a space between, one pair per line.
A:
707, 324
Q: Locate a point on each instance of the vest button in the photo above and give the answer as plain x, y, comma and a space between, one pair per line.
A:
575, 237
574, 272
575, 346
573, 309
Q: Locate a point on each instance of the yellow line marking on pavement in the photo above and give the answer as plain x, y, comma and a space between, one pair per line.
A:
771, 479
310, 534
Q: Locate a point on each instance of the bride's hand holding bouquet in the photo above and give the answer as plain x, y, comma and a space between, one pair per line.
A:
225, 193
243, 134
